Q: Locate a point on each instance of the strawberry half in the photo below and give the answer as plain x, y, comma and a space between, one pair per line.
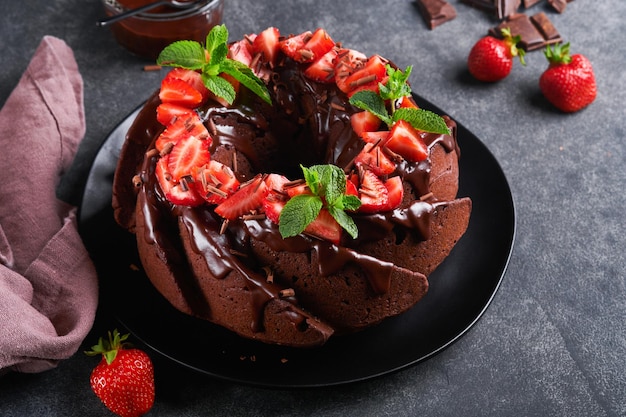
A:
395, 191
316, 47
365, 78
241, 51
266, 43
247, 199
373, 194
325, 227
364, 121
406, 142
215, 182
348, 62
176, 192
178, 91
188, 153
182, 128
293, 45
375, 159
168, 113
323, 70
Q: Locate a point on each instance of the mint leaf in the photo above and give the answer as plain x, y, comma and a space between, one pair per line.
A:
422, 119
312, 179
328, 190
298, 213
220, 87
212, 59
183, 54
397, 84
217, 36
245, 76
348, 202
370, 101
344, 221
332, 182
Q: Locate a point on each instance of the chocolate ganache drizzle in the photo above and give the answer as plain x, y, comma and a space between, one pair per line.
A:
308, 123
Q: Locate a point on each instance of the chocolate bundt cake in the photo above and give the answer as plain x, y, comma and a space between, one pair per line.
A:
288, 188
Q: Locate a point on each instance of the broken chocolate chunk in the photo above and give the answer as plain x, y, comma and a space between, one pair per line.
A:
558, 5
499, 8
535, 32
530, 3
435, 12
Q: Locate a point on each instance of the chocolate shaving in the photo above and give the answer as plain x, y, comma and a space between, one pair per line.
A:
287, 292
137, 182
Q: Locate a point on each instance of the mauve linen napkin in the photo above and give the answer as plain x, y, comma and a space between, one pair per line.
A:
48, 284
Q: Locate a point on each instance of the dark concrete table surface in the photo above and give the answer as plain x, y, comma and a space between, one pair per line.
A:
552, 342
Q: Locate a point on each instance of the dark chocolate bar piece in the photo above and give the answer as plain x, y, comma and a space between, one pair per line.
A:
499, 8
435, 12
536, 32
530, 3
558, 5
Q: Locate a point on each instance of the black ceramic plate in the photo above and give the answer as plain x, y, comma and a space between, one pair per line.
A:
460, 290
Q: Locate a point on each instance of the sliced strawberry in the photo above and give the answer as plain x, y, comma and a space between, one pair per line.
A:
183, 127
351, 186
396, 193
168, 113
177, 91
316, 47
247, 199
375, 159
215, 181
367, 77
266, 43
297, 190
272, 208
364, 121
375, 137
188, 153
406, 102
325, 227
323, 70
193, 78
293, 45
406, 141
348, 62
177, 192
241, 51
373, 194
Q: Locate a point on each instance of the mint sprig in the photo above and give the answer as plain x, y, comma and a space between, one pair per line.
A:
212, 60
328, 190
396, 88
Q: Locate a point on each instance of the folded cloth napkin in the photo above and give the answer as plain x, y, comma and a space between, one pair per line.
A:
48, 284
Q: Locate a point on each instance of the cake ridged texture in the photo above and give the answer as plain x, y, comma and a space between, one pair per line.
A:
221, 275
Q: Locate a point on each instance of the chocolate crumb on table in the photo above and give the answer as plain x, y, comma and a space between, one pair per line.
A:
435, 12
536, 32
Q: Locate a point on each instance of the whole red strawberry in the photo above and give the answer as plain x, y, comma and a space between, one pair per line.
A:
124, 378
569, 82
491, 59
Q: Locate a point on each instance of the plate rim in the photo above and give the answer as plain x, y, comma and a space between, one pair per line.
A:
503, 266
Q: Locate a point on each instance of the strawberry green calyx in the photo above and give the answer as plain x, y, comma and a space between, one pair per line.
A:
109, 348
211, 61
512, 42
558, 55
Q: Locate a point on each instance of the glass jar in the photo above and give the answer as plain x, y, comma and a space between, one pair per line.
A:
146, 34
